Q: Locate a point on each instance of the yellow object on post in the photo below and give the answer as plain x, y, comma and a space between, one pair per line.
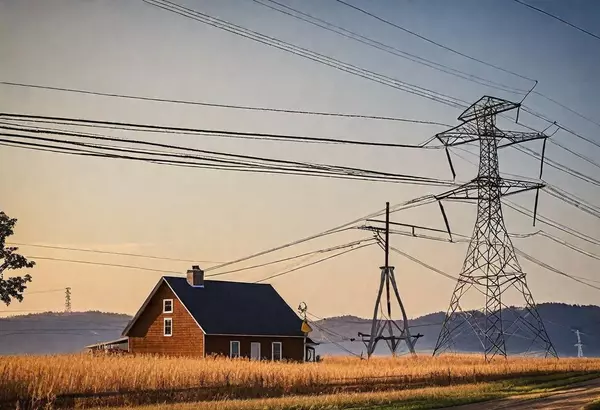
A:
306, 327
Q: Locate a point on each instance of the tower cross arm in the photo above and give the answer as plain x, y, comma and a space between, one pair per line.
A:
468, 132
471, 190
508, 138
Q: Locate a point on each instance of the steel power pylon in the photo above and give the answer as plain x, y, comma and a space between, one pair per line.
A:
579, 345
67, 300
490, 268
383, 327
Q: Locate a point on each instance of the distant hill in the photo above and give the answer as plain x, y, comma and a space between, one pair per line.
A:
47, 333
560, 320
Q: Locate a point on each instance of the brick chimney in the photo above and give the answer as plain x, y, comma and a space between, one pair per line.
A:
195, 277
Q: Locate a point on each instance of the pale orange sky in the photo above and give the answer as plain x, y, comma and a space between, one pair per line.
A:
129, 47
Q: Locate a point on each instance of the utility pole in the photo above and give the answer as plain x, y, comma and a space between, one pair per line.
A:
306, 329
67, 300
579, 345
490, 267
384, 324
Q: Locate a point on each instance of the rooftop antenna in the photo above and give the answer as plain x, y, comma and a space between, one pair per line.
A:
579, 345
67, 300
383, 327
490, 267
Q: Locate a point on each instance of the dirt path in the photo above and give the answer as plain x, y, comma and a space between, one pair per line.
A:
572, 397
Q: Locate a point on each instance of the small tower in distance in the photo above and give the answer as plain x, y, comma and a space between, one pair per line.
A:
67, 300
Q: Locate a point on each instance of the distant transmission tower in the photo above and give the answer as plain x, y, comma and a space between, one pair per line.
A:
67, 300
383, 327
579, 345
490, 268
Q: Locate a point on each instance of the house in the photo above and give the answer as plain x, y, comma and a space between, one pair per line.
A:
112, 346
193, 317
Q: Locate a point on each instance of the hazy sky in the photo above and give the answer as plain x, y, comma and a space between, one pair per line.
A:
130, 47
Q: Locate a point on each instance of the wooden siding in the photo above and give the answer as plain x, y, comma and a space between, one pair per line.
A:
292, 347
146, 335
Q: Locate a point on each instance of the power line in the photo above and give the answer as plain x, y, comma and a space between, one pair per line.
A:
114, 265
187, 164
564, 197
216, 105
558, 18
299, 15
447, 48
334, 248
559, 241
566, 107
136, 255
562, 127
552, 223
208, 157
553, 269
557, 165
425, 265
309, 54
432, 41
195, 131
354, 248
577, 154
419, 201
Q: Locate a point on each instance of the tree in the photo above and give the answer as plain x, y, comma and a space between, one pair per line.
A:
12, 287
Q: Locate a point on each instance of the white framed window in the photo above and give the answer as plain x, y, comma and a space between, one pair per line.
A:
168, 327
234, 349
276, 352
167, 305
255, 351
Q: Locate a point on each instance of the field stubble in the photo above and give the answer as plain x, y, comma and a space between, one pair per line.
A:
101, 380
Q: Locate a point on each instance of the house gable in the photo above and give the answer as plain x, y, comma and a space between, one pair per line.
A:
146, 330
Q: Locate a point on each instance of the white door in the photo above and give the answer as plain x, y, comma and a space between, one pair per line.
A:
255, 351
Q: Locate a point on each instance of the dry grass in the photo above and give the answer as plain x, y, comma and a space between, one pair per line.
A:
32, 378
408, 399
451, 394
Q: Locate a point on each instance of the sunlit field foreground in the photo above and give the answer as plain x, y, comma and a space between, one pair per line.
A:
69, 380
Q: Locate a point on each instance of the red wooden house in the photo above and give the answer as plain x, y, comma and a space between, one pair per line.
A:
194, 317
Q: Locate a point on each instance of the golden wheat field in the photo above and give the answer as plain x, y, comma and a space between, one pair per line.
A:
45, 378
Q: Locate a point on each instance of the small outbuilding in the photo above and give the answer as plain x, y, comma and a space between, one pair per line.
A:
112, 346
193, 317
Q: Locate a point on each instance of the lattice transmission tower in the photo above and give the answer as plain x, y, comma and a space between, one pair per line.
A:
67, 300
579, 345
490, 268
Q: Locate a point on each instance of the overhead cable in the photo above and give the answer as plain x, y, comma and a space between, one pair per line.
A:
152, 128
136, 255
353, 248
553, 269
208, 158
216, 105
309, 54
589, 33
381, 19
318, 251
550, 222
297, 14
337, 229
114, 265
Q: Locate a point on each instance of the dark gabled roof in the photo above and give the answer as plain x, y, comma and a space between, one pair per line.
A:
236, 308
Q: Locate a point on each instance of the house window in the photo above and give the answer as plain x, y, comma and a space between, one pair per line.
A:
255, 351
167, 305
276, 351
168, 327
234, 349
